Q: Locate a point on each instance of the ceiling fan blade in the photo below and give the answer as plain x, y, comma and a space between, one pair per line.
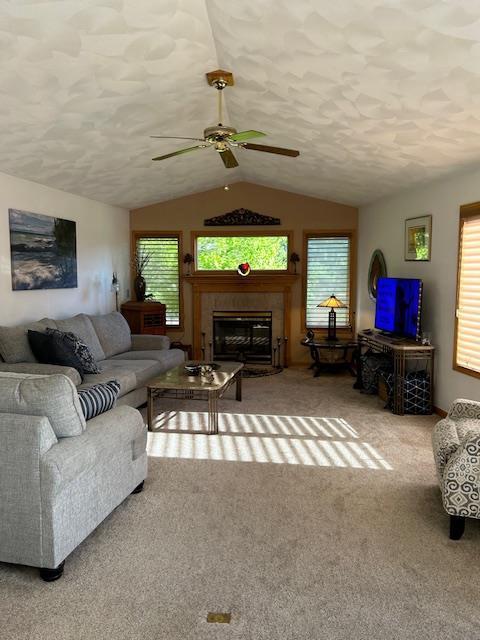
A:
280, 150
177, 153
177, 138
246, 135
229, 159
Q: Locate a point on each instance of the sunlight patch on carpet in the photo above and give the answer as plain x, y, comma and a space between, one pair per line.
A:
301, 440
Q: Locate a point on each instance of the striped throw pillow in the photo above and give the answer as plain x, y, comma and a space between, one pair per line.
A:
98, 398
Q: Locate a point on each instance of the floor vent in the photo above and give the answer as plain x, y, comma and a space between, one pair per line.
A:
219, 618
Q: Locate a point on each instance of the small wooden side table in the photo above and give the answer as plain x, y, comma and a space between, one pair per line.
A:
332, 355
145, 317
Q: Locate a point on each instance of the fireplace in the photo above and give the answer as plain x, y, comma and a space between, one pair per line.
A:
242, 335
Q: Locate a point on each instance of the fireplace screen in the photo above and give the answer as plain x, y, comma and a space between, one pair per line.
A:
245, 336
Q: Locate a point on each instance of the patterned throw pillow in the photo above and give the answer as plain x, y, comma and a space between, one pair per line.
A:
98, 398
51, 349
79, 348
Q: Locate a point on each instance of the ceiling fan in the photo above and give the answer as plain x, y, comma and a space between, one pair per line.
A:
224, 138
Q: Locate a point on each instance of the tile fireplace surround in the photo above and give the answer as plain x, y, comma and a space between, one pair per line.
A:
222, 292
241, 301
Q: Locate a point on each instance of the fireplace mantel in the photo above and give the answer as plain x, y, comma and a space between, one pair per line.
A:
235, 283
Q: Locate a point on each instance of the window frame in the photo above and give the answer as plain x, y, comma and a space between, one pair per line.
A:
343, 332
136, 235
257, 232
466, 211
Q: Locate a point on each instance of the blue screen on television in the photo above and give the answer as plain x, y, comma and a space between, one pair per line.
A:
398, 306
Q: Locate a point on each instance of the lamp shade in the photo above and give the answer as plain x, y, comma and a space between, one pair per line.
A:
332, 302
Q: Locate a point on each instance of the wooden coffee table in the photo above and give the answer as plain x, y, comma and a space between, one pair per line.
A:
176, 383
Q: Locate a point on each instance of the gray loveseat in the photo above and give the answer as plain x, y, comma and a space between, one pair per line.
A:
59, 475
130, 359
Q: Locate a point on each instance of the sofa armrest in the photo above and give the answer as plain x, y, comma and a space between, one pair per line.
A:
444, 442
464, 409
24, 440
40, 369
148, 342
120, 429
23, 437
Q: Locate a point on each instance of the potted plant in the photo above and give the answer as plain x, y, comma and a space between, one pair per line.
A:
139, 262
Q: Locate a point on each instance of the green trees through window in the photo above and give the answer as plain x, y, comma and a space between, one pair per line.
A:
225, 253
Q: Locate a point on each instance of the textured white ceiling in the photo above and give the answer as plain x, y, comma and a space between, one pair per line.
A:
376, 94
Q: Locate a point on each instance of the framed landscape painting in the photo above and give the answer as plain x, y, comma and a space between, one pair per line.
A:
418, 238
43, 251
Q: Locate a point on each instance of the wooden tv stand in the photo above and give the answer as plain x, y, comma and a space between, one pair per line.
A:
404, 352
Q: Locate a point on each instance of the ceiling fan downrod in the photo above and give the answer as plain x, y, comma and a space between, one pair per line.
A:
220, 84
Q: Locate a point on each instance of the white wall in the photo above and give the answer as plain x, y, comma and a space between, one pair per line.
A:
102, 246
381, 226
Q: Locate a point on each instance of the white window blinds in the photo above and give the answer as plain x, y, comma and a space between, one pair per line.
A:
468, 296
162, 273
328, 271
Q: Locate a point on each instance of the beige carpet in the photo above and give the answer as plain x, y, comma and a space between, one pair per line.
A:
315, 516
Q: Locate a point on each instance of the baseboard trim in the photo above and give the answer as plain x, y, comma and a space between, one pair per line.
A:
440, 412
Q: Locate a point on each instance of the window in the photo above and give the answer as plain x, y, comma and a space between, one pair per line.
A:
467, 344
265, 252
162, 273
328, 270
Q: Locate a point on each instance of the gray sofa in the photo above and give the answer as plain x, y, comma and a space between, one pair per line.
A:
130, 359
60, 476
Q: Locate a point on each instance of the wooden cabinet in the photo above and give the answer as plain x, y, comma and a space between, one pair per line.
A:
145, 317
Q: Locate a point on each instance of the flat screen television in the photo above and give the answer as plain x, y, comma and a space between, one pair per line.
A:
399, 306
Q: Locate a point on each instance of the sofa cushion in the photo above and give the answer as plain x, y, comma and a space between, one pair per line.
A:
113, 332
14, 345
80, 349
168, 358
52, 349
466, 426
82, 326
98, 399
54, 397
124, 376
37, 368
139, 370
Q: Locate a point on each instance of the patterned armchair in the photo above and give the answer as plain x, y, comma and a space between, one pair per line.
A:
456, 449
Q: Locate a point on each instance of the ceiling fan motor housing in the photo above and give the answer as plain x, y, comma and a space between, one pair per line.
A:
218, 133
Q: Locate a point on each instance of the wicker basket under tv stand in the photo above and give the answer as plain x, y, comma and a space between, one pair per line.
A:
403, 352
145, 317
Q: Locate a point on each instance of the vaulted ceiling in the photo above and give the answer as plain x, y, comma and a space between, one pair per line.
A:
377, 94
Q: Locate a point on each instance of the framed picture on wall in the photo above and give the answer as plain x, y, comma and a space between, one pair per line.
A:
418, 238
43, 251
